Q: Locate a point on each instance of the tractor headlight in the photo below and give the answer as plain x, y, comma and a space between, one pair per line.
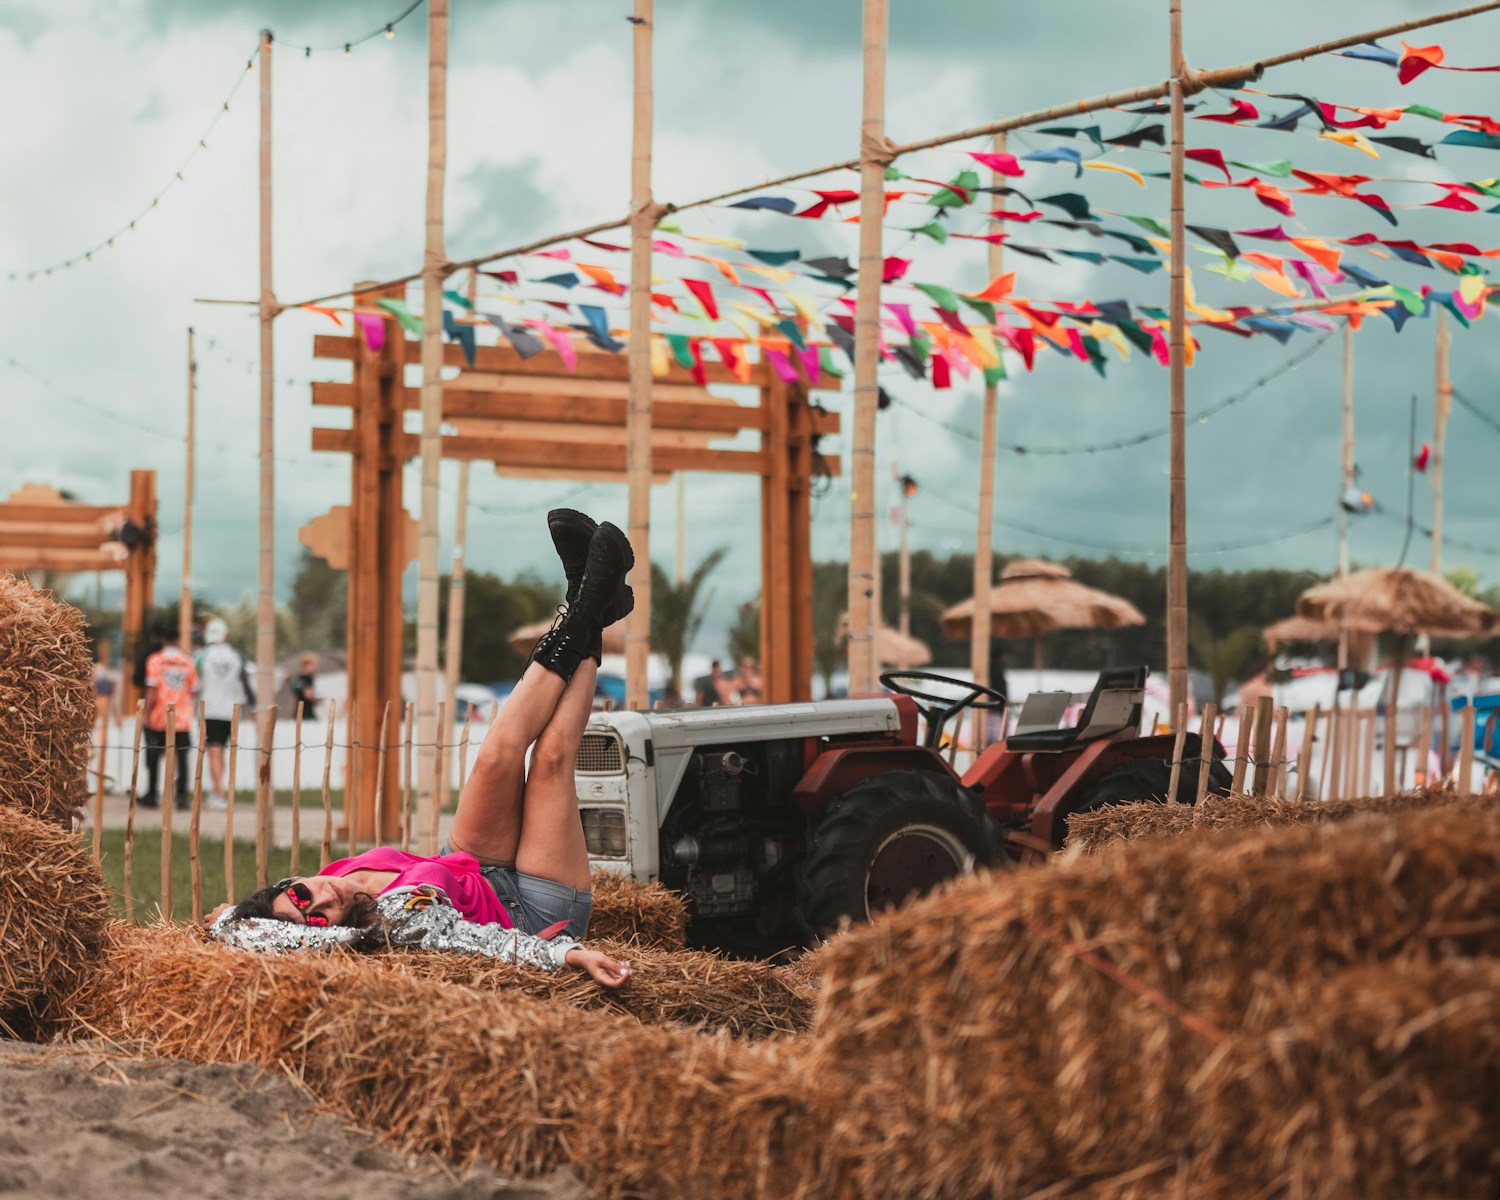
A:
604, 832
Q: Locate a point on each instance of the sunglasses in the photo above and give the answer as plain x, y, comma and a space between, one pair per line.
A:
302, 900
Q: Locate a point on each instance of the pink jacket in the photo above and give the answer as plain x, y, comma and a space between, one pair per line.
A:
457, 874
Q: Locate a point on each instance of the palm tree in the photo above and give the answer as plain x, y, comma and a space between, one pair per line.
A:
1222, 658
676, 612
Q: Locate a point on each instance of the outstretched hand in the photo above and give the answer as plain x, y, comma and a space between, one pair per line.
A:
214, 916
605, 971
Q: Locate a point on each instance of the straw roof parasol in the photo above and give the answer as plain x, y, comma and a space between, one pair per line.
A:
1398, 600
1299, 629
894, 647
1035, 597
524, 638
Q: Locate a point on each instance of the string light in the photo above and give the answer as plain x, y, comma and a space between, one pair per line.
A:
1476, 410
390, 31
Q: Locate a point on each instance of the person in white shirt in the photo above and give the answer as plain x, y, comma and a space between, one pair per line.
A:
224, 680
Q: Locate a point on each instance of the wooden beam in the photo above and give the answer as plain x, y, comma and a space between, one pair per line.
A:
58, 514
43, 538
21, 559
591, 364
584, 436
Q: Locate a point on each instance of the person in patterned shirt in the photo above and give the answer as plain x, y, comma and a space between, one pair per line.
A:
171, 680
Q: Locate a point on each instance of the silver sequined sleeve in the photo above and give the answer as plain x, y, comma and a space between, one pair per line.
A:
421, 918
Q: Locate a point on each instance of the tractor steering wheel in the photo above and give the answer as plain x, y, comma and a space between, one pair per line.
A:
936, 710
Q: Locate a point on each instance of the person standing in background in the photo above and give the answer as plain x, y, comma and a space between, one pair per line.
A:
302, 686
170, 680
224, 679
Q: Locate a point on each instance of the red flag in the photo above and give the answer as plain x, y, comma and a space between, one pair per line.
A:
1424, 456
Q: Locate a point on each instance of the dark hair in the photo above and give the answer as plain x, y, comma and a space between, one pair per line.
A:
163, 628
261, 905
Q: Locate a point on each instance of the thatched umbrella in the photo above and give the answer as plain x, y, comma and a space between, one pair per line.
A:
525, 637
1035, 597
892, 647
1399, 600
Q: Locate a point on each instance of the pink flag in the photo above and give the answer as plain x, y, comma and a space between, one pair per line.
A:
782, 365
561, 342
812, 364
902, 313
373, 328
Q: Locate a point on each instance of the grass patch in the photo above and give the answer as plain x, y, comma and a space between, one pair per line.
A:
146, 870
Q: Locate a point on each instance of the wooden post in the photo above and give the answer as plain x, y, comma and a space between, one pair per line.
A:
265, 618
1177, 745
385, 728
193, 821
406, 782
99, 791
1334, 756
1367, 758
1278, 754
1443, 405
1353, 773
984, 546
1205, 750
135, 772
864, 559
1422, 769
168, 804
1241, 748
326, 853
1466, 752
435, 829
351, 778
1262, 751
1177, 598
265, 801
643, 217
463, 753
1304, 758
234, 750
140, 578
185, 606
296, 858
1392, 729
453, 655
434, 269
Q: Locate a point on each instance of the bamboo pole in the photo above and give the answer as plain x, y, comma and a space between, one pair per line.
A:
99, 791
351, 780
326, 853
463, 753
1278, 753
265, 613
135, 771
1230, 76
434, 268
984, 547
234, 750
1443, 405
638, 419
1346, 480
864, 559
453, 654
168, 804
196, 817
1177, 599
1205, 750
436, 816
1304, 758
1392, 729
406, 783
265, 823
903, 587
296, 858
1241, 749
1334, 756
1180, 724
185, 605
1466, 752
1262, 751
385, 727
1423, 768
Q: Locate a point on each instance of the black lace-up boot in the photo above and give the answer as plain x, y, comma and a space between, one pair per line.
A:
571, 533
577, 635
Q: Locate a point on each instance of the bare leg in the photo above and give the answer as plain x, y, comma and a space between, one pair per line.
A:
216, 768
551, 844
488, 821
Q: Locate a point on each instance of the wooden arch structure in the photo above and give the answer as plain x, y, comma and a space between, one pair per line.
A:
538, 417
42, 530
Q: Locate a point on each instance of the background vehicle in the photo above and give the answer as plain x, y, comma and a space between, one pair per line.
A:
778, 821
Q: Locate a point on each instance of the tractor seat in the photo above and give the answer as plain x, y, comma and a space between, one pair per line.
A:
1113, 705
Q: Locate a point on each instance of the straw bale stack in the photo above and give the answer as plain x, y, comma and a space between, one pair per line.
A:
46, 703
54, 910
644, 914
1090, 832
1009, 1062
681, 987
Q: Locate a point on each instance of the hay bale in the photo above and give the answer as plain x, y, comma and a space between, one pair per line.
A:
1009, 1062
54, 910
680, 987
644, 914
1091, 832
526, 1084
46, 704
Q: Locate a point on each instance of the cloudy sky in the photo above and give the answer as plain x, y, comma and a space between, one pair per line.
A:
106, 100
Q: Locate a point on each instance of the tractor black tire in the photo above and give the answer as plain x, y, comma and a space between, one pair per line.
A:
1150, 779
890, 836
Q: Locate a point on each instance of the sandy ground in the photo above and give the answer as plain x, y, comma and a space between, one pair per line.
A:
86, 1121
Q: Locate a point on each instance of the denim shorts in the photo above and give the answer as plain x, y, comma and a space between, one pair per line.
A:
534, 904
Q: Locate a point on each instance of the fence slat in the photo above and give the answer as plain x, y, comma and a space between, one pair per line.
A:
380, 756
1278, 753
1423, 766
295, 863
435, 833
99, 792
168, 804
265, 815
234, 753
1182, 719
1466, 751
406, 781
327, 849
1205, 749
1309, 736
135, 771
351, 774
1242, 750
1392, 731
193, 821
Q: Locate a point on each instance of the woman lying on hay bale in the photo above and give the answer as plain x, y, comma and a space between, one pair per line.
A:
514, 874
